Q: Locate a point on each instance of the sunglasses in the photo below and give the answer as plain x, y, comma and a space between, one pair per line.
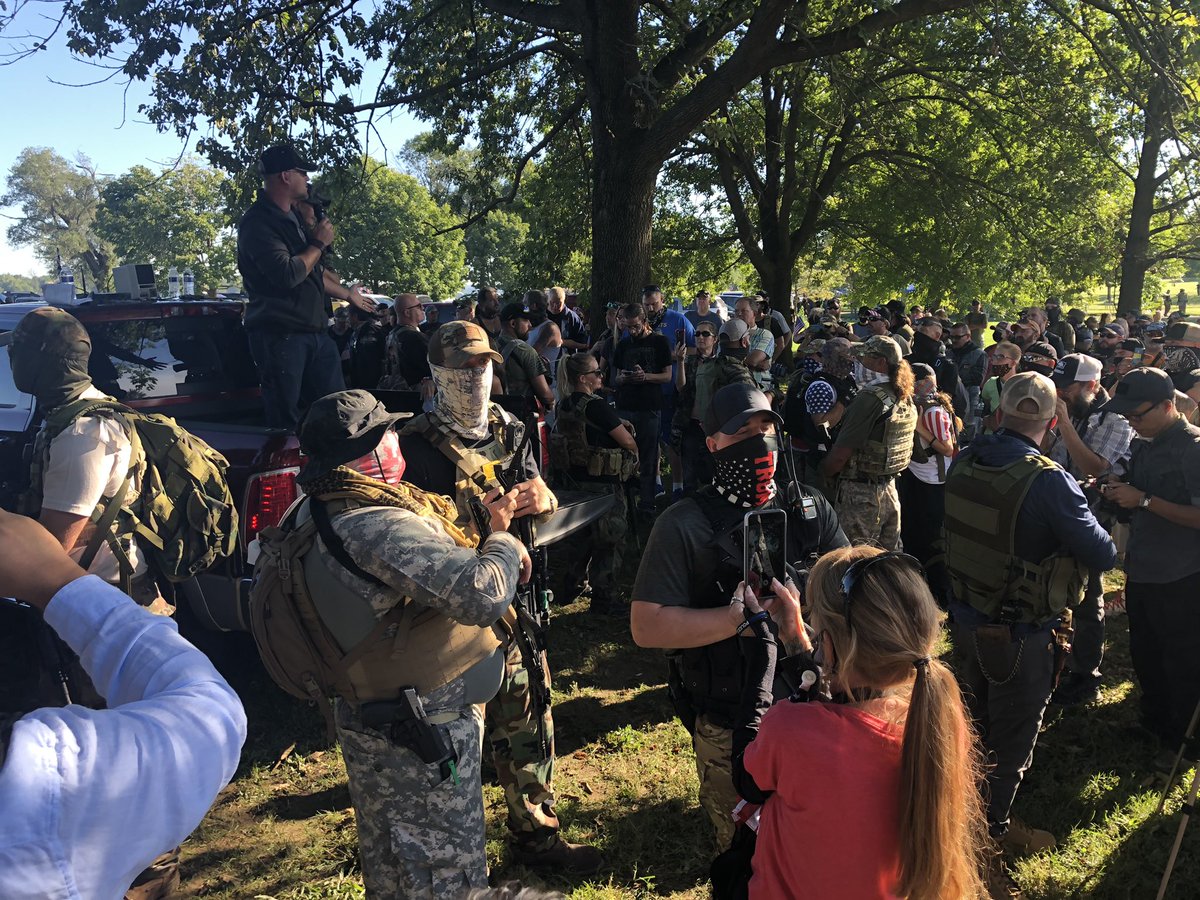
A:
857, 570
704, 334
1138, 416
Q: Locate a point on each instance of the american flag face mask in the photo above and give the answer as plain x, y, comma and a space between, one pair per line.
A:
744, 473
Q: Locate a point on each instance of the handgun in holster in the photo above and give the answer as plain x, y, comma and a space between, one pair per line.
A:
405, 723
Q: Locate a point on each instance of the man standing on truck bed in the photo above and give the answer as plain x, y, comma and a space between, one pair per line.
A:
289, 289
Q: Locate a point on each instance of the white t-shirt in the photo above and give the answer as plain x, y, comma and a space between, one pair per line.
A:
938, 421
90, 460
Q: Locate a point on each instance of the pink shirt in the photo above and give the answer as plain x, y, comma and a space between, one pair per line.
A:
831, 827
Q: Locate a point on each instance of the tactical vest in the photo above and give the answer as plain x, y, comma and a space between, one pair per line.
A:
318, 636
476, 469
890, 453
712, 677
570, 450
983, 504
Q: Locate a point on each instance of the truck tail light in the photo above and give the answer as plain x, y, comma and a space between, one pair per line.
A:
268, 495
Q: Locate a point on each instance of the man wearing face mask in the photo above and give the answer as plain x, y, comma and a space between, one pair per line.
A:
816, 404
73, 472
386, 548
693, 564
1039, 357
458, 449
873, 446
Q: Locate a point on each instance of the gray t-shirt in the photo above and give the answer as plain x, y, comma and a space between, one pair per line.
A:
1160, 552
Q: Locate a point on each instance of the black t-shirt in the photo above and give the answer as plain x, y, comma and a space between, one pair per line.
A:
412, 355
653, 354
680, 564
368, 355
426, 467
600, 420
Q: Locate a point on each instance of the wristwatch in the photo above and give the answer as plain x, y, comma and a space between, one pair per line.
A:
1144, 503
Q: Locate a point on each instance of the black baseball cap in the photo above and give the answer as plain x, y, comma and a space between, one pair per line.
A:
732, 405
283, 158
1145, 385
512, 311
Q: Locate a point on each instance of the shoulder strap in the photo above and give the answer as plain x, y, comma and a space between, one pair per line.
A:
333, 543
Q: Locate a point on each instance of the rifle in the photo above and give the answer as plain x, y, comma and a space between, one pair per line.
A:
532, 601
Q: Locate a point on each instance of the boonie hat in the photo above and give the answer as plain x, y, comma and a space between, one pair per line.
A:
1029, 386
732, 405
283, 158
1076, 367
1140, 386
880, 345
452, 345
339, 428
734, 330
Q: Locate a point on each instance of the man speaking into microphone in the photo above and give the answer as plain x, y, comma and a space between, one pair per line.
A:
284, 274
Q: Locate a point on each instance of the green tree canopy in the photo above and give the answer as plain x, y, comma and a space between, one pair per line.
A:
175, 218
391, 234
58, 202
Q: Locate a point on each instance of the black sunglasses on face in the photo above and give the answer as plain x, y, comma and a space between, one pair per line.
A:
854, 574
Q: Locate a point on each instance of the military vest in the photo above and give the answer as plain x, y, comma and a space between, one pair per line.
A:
570, 450
476, 469
890, 453
712, 676
983, 504
318, 636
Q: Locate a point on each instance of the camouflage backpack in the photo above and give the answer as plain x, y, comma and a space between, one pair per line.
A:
182, 514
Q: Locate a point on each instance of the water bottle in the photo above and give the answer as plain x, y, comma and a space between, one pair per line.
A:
173, 283
189, 283
66, 275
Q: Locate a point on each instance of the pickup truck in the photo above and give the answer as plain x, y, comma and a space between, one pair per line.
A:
188, 359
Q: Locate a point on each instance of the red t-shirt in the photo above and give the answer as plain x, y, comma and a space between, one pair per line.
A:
831, 827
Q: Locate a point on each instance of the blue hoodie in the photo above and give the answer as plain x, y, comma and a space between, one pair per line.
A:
1054, 516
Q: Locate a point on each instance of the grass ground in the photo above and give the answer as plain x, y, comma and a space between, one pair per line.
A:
284, 830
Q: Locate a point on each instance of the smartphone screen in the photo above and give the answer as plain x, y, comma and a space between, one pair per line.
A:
764, 534
679, 335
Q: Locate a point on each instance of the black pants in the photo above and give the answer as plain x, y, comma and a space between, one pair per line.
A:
1007, 687
1164, 632
645, 425
697, 461
922, 512
1087, 647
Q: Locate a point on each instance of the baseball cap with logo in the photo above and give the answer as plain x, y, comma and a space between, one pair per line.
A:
1141, 386
1030, 389
512, 311
283, 158
734, 330
1076, 367
732, 405
454, 344
880, 345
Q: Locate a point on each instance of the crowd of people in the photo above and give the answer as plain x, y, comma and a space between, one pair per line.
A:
920, 482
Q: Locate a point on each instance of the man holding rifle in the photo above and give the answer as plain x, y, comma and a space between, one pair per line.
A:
464, 448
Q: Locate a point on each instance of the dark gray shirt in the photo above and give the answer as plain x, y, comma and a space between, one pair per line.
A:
1160, 552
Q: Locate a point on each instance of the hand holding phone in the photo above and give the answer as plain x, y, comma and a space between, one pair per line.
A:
764, 536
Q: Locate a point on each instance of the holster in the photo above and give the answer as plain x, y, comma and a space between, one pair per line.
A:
405, 723
681, 701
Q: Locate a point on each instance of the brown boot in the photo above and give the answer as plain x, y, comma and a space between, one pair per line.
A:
159, 880
1000, 885
576, 859
1023, 840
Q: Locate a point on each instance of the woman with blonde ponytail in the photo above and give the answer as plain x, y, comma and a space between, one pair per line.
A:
874, 795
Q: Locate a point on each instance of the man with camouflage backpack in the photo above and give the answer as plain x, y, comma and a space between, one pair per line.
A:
87, 474
408, 606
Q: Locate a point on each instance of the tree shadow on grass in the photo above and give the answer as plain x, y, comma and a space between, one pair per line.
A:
582, 720
293, 807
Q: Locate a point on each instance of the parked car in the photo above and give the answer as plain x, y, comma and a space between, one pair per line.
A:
188, 359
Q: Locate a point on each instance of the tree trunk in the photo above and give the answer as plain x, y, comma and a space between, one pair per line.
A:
779, 287
1135, 259
622, 213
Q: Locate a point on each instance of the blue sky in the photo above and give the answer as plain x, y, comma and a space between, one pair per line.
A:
100, 121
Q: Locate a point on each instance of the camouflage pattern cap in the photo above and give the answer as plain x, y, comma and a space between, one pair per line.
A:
880, 345
55, 333
454, 344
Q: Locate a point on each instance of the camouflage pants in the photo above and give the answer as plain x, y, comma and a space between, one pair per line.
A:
420, 838
714, 766
524, 767
594, 551
869, 512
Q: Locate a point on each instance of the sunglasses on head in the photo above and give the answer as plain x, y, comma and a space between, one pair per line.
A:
856, 571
